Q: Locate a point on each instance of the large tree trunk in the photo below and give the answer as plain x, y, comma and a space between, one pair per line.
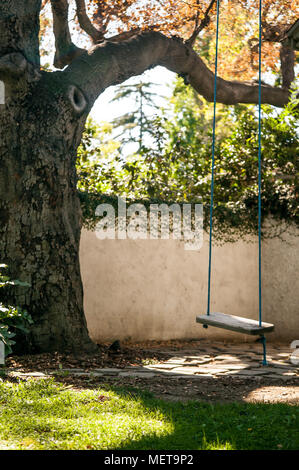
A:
40, 129
40, 214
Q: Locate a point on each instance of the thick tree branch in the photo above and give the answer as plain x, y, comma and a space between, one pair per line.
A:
66, 51
97, 35
112, 63
276, 33
14, 66
287, 61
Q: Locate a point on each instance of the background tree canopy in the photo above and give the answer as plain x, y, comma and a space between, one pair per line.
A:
175, 166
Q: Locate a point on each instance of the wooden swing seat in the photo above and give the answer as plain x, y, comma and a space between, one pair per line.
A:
233, 323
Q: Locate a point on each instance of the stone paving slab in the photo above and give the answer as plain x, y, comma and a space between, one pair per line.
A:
164, 366
147, 375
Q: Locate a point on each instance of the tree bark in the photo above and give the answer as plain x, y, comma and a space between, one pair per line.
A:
40, 129
40, 214
19, 26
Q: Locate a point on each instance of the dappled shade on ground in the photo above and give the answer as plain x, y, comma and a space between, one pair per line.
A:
41, 414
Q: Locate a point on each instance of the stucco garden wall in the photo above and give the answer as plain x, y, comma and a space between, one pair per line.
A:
153, 289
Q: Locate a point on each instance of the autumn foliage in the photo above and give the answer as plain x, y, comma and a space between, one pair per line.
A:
193, 21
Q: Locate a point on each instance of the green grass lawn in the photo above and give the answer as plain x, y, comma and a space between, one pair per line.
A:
45, 415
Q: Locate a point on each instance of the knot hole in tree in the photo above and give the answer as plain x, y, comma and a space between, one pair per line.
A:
77, 99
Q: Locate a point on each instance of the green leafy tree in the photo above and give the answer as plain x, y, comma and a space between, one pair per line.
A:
135, 126
178, 167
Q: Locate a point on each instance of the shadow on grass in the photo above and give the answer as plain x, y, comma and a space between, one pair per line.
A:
235, 426
142, 422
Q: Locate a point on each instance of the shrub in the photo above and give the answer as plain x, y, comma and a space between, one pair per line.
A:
12, 318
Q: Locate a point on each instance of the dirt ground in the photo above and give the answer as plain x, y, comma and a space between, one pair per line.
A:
226, 388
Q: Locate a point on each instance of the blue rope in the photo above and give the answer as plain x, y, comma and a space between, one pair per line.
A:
213, 162
260, 163
263, 339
